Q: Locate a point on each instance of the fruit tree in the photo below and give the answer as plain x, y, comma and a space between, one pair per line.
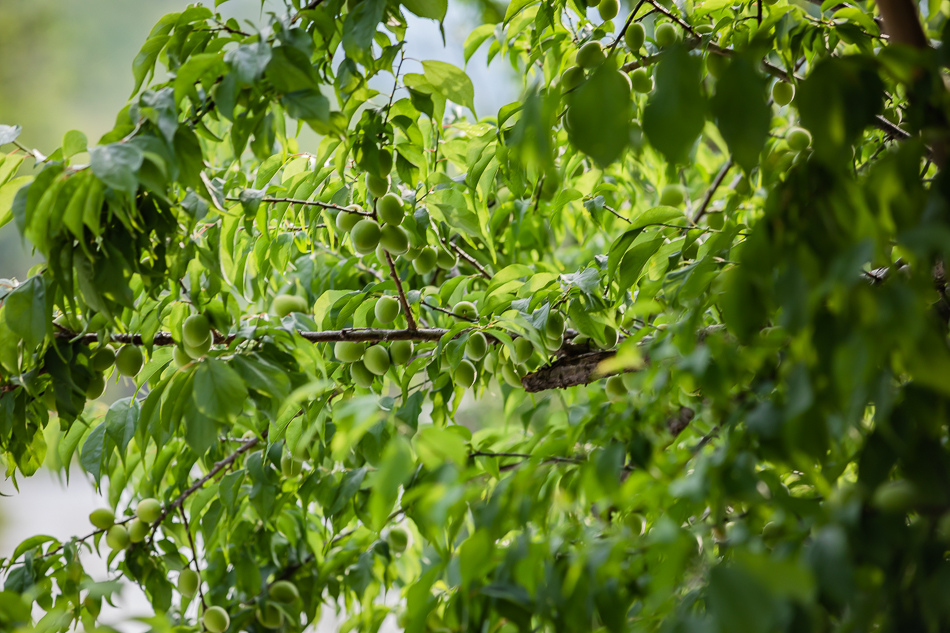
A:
660, 346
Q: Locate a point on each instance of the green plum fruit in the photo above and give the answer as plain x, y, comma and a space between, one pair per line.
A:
195, 330
398, 539
389, 209
465, 309
199, 350
672, 195
376, 359
284, 591
783, 93
394, 239
117, 537
716, 64
365, 236
385, 162
269, 616
138, 530
386, 309
572, 78
361, 376
665, 35
476, 346
608, 9
400, 352
180, 356
512, 375
465, 374
102, 518
523, 350
290, 467
216, 620
285, 304
96, 386
188, 582
798, 139
345, 221
445, 260
129, 360
590, 55
148, 510
103, 359
616, 392
641, 80
554, 327
348, 351
426, 261
634, 37
377, 186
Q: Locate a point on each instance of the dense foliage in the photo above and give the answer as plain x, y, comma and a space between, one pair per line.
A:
660, 346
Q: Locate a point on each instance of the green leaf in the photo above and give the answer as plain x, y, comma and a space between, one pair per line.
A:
121, 421
93, 449
432, 9
74, 142
436, 446
27, 312
598, 115
676, 110
394, 471
741, 112
359, 28
249, 61
218, 391
117, 165
451, 82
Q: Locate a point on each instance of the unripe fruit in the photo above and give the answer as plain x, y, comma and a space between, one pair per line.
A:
716, 64
572, 78
611, 337
523, 349
896, 497
290, 467
554, 327
103, 518
285, 304
180, 356
704, 29
117, 537
385, 162
553, 343
465, 374
348, 351
672, 195
365, 236
129, 360
216, 620
590, 55
200, 350
512, 375
270, 617
103, 358
798, 139
389, 209
445, 260
188, 582
377, 186
630, 380
284, 591
425, 262
581, 340
616, 392
96, 386
665, 35
466, 309
398, 540
148, 510
715, 219
634, 37
386, 309
412, 253
477, 346
400, 352
361, 376
608, 9
195, 330
137, 531
376, 359
783, 93
346, 221
591, 3
394, 239
641, 80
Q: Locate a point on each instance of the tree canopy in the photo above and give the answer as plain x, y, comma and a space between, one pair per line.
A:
660, 346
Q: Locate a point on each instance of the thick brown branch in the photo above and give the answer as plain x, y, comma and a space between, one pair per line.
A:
402, 293
330, 336
902, 22
307, 203
568, 371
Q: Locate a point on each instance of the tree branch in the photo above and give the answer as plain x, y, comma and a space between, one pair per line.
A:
471, 260
402, 294
712, 190
307, 203
194, 552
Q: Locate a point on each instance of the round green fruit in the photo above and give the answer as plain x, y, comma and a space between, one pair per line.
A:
611, 337
554, 327
361, 376
591, 3
672, 195
103, 359
716, 64
285, 304
523, 350
590, 55
387, 309
465, 309
284, 591
148, 510
782, 93
270, 617
511, 375
348, 351
608, 9
385, 162
290, 467
400, 352
553, 343
137, 531
377, 186
195, 330
426, 261
129, 360
345, 221
465, 374
389, 209
412, 253
665, 35
641, 80
616, 392
188, 582
716, 220
477, 346
216, 620
103, 518
798, 139
394, 239
445, 260
180, 356
117, 537
398, 540
703, 29
572, 78
376, 360
365, 236
895, 497
97, 384
200, 350
634, 37
630, 380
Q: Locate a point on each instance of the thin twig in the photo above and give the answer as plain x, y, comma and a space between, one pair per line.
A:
626, 25
402, 294
712, 190
306, 203
468, 258
194, 552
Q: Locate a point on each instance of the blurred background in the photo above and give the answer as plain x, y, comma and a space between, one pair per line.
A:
67, 65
